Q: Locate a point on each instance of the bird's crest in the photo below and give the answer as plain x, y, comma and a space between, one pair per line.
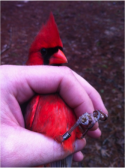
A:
48, 37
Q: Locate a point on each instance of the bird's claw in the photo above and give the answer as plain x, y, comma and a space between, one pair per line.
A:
88, 120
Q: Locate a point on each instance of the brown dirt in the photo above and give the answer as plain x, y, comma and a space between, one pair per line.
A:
93, 38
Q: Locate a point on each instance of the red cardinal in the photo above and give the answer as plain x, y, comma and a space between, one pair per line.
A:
49, 114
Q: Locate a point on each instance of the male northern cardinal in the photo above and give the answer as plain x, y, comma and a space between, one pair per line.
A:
49, 114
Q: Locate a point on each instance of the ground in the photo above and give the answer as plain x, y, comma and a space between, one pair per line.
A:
93, 37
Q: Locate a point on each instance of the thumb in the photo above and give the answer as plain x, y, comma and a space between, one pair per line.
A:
26, 148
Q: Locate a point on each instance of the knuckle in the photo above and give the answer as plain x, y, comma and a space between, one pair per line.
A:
66, 70
5, 70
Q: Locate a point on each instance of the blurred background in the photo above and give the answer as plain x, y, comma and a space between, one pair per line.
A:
93, 37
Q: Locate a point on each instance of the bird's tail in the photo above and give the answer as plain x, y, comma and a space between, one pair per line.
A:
65, 163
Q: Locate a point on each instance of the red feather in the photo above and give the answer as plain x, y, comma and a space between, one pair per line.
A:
48, 37
49, 115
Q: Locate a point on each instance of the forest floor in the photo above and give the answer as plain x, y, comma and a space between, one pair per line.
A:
93, 37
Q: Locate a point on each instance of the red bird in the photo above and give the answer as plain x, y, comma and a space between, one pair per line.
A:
49, 114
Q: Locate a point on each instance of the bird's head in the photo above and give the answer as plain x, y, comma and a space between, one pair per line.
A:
47, 47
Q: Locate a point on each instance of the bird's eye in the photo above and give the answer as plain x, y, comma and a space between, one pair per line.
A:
43, 51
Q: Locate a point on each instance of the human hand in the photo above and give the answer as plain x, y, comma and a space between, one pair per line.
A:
21, 147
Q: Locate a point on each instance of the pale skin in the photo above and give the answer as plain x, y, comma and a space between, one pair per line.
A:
21, 147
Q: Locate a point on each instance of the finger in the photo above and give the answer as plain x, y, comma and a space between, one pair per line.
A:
48, 79
79, 144
97, 103
93, 94
94, 134
78, 156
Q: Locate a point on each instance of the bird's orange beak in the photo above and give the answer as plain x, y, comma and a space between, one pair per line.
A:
58, 58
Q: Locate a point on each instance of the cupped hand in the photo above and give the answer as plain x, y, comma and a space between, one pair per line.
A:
21, 147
